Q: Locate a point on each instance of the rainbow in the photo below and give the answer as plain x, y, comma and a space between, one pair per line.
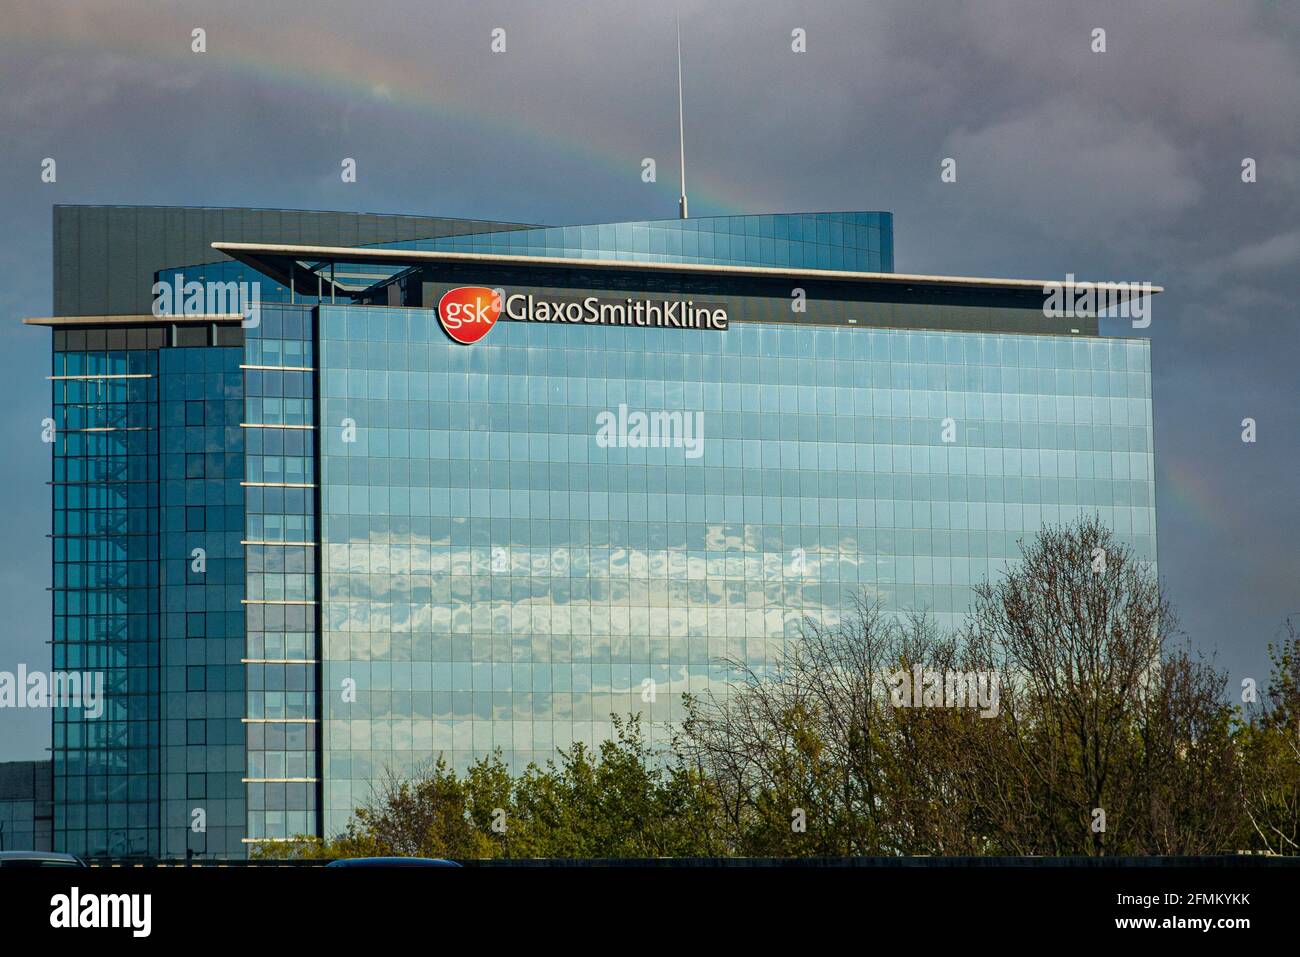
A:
1185, 492
319, 62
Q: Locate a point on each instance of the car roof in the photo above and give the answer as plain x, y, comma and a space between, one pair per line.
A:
38, 856
392, 862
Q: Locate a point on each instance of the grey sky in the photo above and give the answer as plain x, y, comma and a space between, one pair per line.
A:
1118, 165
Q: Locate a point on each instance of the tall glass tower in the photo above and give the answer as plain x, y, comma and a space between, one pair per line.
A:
323, 541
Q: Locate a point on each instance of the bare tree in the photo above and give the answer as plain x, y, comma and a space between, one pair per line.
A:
1270, 754
794, 748
1105, 725
816, 742
1105, 738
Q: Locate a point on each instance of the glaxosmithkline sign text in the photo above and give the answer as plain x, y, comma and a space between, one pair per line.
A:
652, 313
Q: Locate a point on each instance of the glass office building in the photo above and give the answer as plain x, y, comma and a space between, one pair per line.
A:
26, 808
415, 547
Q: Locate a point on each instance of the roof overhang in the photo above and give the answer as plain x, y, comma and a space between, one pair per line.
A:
275, 259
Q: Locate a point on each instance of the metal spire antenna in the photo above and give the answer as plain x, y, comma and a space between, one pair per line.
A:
681, 121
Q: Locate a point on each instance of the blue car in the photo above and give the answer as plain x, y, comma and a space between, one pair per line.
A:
392, 862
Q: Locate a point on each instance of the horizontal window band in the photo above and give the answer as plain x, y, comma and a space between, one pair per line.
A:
302, 544
96, 483
112, 428
278, 661
280, 780
97, 590
135, 320
280, 368
277, 601
278, 484
102, 375
272, 425
278, 721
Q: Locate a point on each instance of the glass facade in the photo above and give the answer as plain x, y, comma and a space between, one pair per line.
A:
492, 577
858, 242
201, 465
148, 577
281, 603
26, 806
336, 543
105, 597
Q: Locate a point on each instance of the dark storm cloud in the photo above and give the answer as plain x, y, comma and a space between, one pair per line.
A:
1124, 164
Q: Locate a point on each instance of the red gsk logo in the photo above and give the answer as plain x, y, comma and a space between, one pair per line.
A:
468, 312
